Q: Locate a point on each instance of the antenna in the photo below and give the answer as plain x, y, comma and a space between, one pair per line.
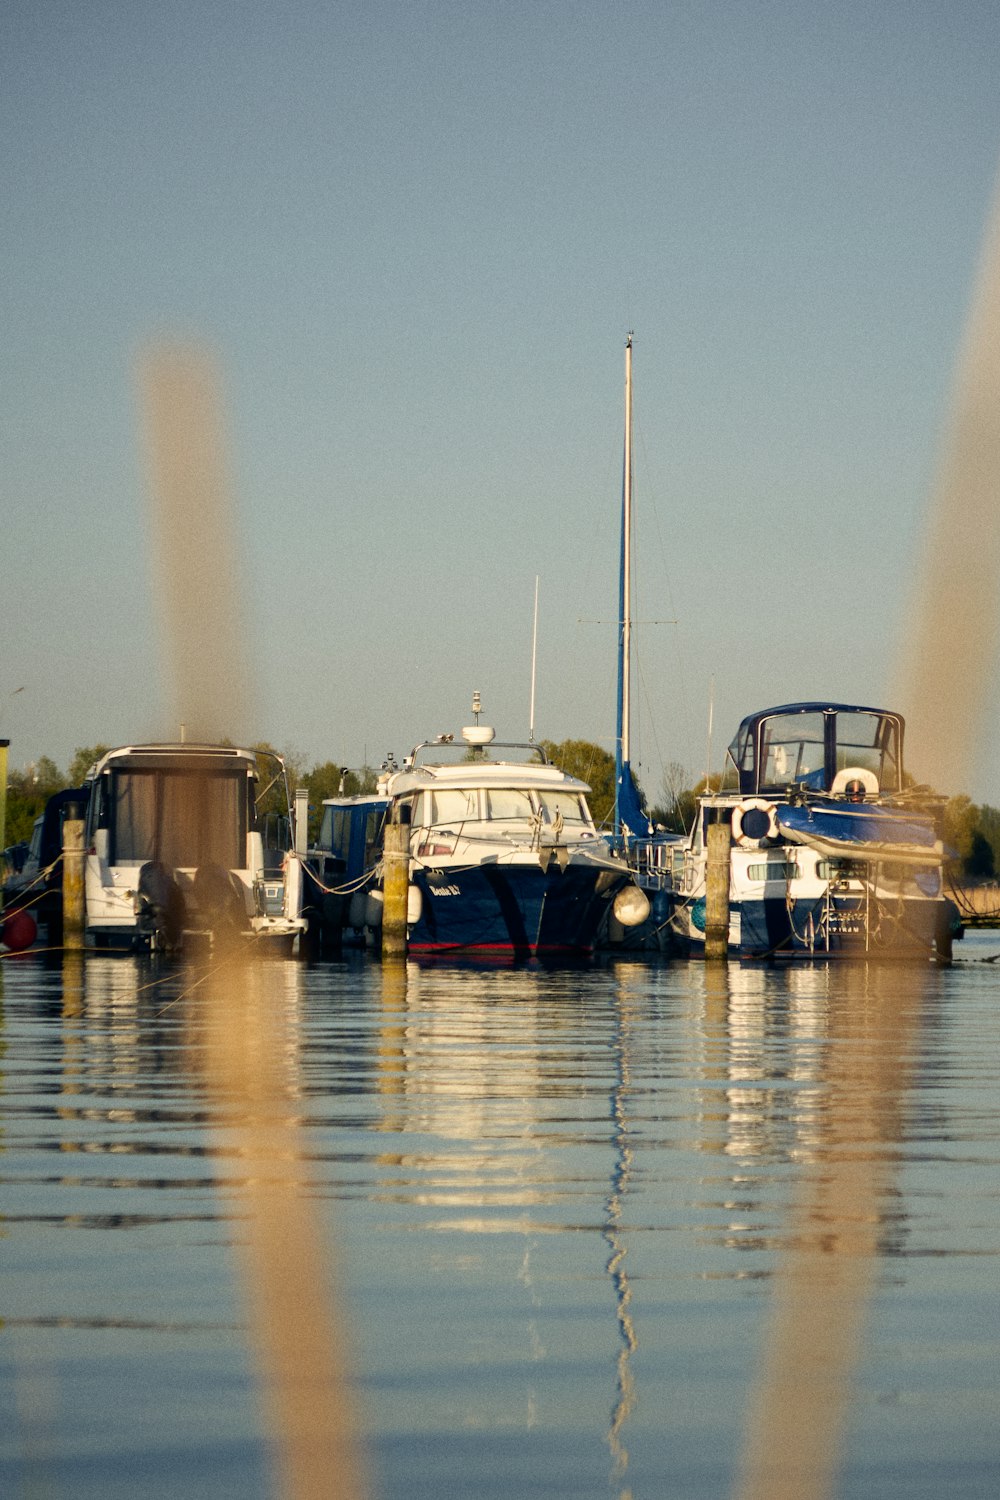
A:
708, 748
534, 659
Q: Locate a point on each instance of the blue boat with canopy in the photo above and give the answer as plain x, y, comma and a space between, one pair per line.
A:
833, 850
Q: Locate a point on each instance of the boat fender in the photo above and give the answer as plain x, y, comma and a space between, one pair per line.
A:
414, 904
373, 908
631, 906
18, 931
753, 822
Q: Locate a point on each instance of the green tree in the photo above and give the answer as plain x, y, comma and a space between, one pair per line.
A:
979, 860
989, 827
83, 758
958, 829
676, 811
331, 780
592, 765
28, 791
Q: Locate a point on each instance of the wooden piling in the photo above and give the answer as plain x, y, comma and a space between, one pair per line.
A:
717, 877
395, 883
72, 881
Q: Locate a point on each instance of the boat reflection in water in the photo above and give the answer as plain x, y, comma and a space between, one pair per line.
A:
570, 1209
835, 1109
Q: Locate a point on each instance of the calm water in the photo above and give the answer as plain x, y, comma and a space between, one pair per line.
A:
559, 1205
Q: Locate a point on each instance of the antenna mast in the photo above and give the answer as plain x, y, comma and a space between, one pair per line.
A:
534, 658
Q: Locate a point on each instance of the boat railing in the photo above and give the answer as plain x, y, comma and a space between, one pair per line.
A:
656, 861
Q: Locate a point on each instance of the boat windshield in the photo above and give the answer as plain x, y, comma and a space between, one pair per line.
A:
570, 804
451, 808
509, 805
870, 741
792, 749
439, 809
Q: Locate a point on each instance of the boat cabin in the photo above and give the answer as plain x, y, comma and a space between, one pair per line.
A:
350, 835
811, 747
185, 806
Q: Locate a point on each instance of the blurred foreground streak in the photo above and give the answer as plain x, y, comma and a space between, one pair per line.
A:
196, 544
948, 665
842, 1220
243, 1042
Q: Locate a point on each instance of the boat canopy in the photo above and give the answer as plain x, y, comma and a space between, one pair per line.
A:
809, 745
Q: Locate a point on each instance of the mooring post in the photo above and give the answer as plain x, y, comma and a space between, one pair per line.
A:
717, 876
395, 882
72, 878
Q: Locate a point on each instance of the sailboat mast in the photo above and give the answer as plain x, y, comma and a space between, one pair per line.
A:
622, 745
626, 600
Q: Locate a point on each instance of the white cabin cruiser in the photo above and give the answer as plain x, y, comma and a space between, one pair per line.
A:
179, 846
504, 854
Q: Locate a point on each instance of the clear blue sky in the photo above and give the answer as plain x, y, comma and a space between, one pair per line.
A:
416, 234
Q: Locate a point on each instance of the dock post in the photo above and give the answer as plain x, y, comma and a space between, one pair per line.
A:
396, 883
72, 878
717, 877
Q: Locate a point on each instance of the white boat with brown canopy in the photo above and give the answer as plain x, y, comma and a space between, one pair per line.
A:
189, 841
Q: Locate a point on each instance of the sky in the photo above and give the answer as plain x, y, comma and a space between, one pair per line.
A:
413, 237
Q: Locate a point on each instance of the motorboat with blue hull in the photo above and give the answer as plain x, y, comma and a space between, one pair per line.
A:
504, 855
190, 842
831, 851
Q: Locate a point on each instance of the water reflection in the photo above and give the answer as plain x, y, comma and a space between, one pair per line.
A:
614, 1234
243, 1039
565, 1204
848, 1133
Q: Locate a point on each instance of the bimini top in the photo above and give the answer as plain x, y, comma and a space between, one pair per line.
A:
811, 746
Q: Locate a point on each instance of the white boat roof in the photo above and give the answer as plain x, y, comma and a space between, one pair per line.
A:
485, 773
186, 750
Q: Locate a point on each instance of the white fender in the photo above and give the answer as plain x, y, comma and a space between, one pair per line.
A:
631, 906
758, 805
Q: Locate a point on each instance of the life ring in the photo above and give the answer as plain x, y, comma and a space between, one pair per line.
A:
867, 783
753, 822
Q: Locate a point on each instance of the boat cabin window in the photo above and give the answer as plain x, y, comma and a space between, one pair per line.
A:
335, 831
739, 757
373, 836
446, 808
570, 804
183, 818
872, 742
508, 805
792, 750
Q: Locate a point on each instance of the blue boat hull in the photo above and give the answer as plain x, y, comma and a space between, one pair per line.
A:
516, 909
